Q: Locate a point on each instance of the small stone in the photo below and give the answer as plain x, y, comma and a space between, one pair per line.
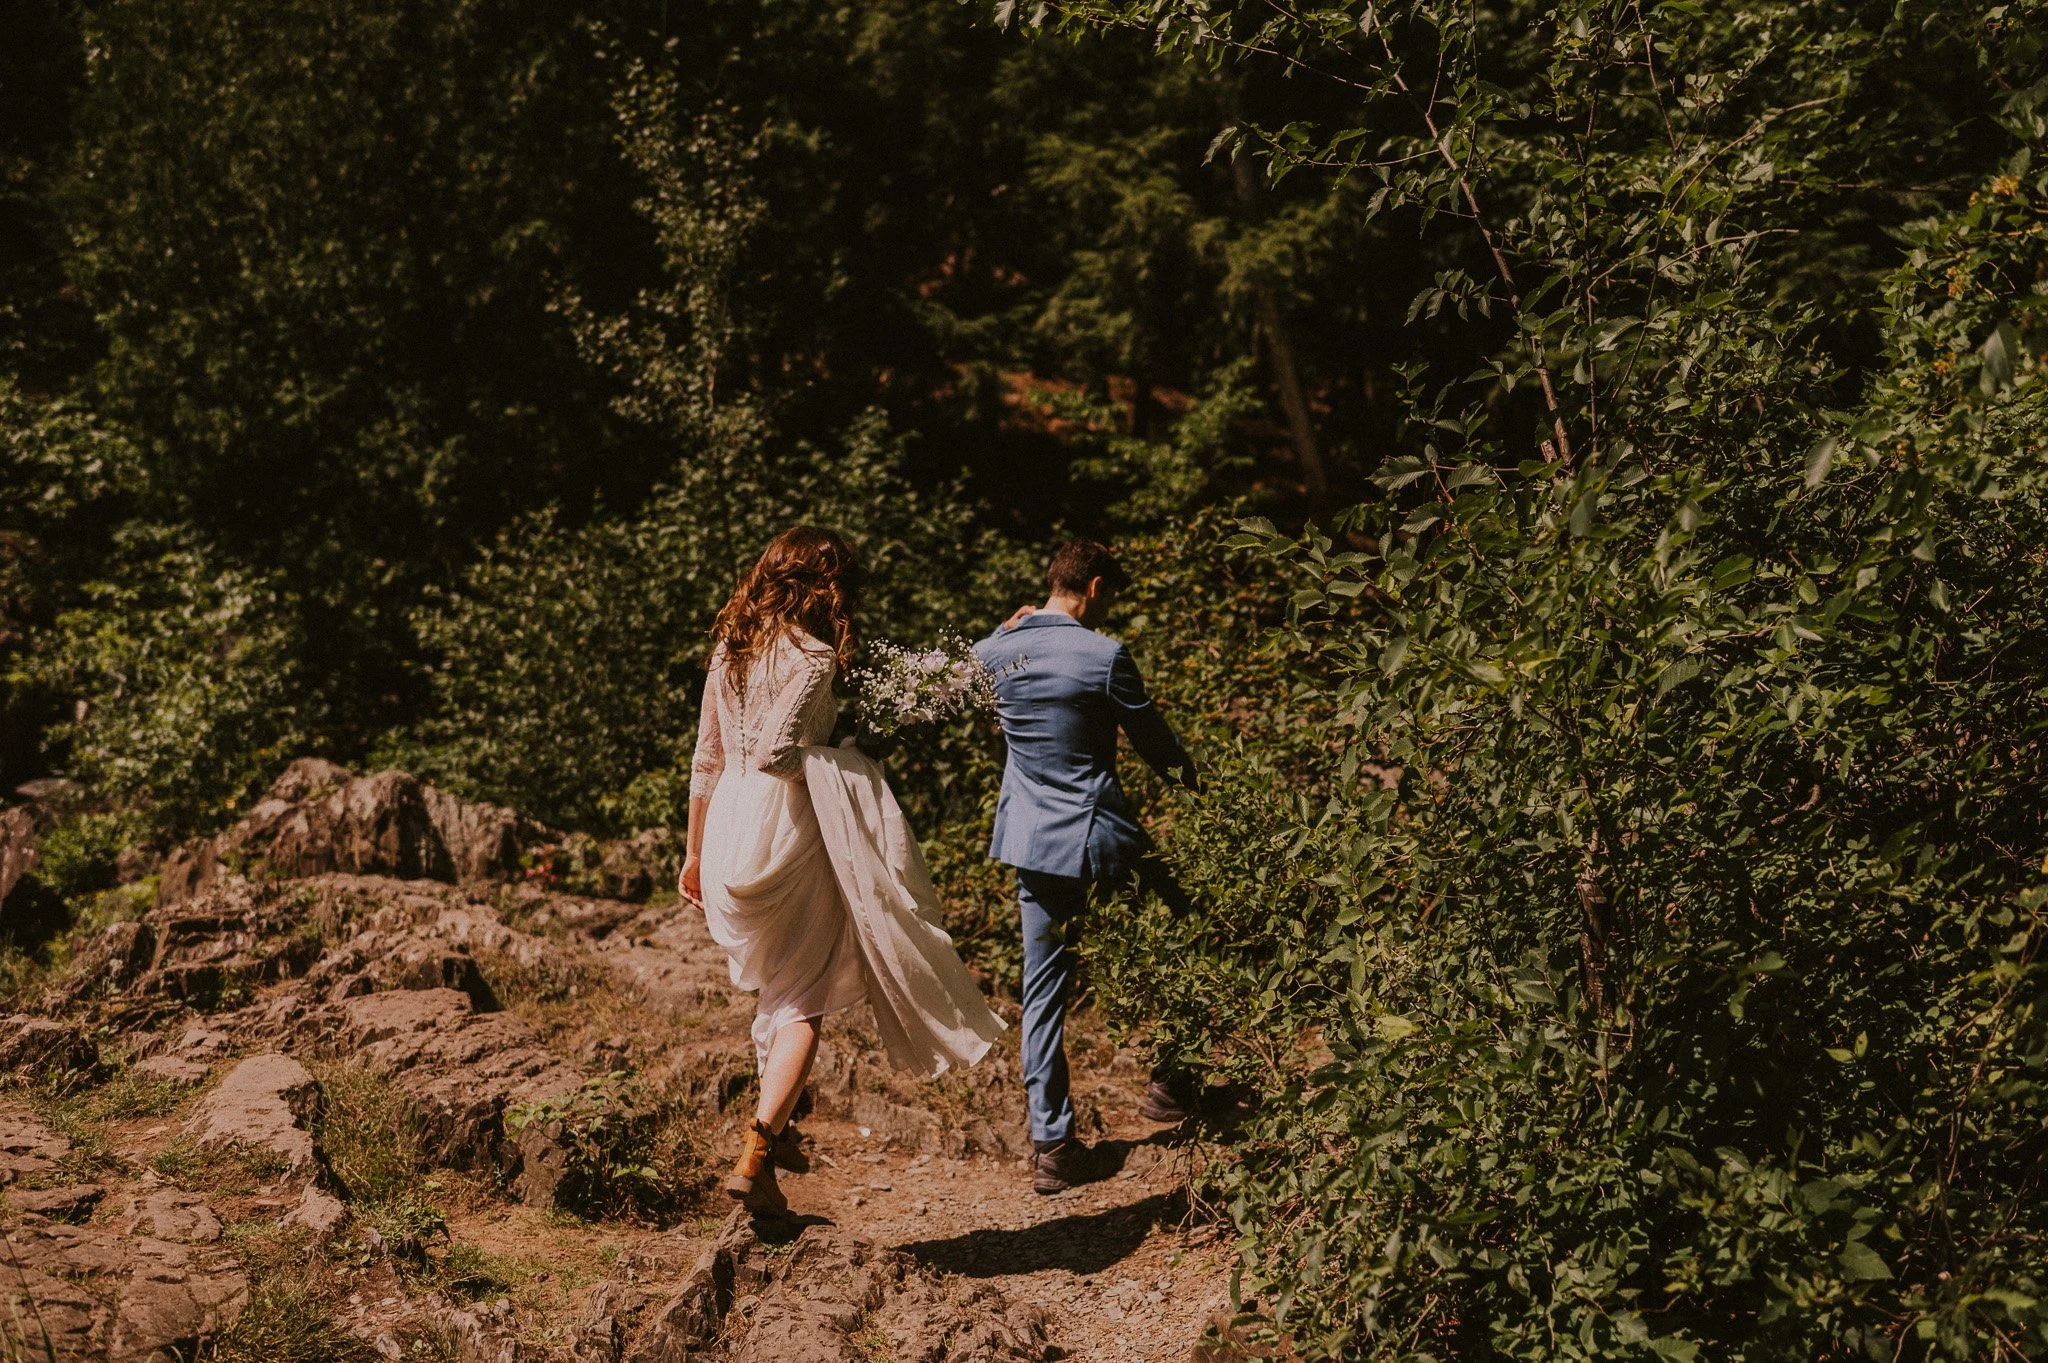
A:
319, 1212
173, 1069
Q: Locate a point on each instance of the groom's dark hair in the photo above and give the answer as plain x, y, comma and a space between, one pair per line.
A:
1080, 562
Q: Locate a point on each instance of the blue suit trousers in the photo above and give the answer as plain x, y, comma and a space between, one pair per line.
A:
1048, 904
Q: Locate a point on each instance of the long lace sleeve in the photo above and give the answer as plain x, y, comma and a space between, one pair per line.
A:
709, 761
778, 749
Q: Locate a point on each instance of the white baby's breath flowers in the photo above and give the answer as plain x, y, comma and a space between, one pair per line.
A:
909, 686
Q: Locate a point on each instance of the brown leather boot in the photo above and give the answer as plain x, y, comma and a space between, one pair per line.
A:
789, 1151
752, 1181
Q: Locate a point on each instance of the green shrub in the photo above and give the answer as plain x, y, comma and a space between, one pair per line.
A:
627, 1157
1647, 958
77, 856
185, 672
1633, 920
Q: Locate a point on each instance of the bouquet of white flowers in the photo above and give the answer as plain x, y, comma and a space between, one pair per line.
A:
907, 686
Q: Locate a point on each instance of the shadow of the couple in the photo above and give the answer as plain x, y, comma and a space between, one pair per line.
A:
1083, 1243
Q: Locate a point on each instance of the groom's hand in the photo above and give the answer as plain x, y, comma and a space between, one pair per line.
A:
1017, 615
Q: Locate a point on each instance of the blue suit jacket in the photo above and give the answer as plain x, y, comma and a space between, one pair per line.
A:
1062, 811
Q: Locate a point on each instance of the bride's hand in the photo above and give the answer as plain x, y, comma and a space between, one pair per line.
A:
690, 884
1018, 615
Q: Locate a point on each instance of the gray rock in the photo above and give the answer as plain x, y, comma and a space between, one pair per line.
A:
37, 1045
748, 1302
174, 1215
461, 1071
97, 1294
17, 849
267, 1103
317, 1211
73, 1202
29, 1151
171, 1069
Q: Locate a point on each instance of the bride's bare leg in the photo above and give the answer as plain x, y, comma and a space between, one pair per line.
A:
789, 1065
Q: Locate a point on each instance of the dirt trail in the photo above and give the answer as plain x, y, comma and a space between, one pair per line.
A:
1125, 1273
354, 1110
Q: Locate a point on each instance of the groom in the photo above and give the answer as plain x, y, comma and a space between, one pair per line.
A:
1063, 692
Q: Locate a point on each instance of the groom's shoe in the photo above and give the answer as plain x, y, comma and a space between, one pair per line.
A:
1168, 1102
1060, 1165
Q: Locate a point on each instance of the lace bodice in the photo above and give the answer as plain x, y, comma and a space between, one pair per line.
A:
787, 707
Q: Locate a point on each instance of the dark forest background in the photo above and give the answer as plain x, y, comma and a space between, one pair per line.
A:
1582, 462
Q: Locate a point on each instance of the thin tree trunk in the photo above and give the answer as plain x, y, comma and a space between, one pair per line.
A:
1280, 349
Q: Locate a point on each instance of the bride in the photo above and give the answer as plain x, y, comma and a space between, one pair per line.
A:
800, 859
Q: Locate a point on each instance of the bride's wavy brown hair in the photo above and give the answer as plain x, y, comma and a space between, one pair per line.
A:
806, 578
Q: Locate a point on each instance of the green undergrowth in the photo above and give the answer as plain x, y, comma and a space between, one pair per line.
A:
294, 1295
38, 954
631, 1155
235, 1170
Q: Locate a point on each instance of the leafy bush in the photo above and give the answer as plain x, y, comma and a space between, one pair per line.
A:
1637, 935
1682, 988
77, 856
185, 669
626, 1157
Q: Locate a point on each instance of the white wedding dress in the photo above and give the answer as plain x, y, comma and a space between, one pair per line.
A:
811, 880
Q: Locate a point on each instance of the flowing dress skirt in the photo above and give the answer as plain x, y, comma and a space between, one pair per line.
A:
772, 901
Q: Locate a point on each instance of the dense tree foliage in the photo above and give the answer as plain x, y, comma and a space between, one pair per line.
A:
1582, 462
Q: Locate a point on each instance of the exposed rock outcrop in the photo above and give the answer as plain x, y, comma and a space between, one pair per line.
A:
97, 1294
320, 818
38, 1045
462, 1071
149, 1287
17, 850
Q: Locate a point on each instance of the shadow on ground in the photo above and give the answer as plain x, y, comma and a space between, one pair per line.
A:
1079, 1244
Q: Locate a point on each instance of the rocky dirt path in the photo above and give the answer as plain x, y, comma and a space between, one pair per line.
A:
1124, 1272
321, 1102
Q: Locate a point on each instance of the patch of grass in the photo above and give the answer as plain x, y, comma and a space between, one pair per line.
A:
556, 979
290, 1319
373, 1141
629, 1158
233, 1169
178, 1162
468, 1273
129, 1095
873, 1346
92, 1156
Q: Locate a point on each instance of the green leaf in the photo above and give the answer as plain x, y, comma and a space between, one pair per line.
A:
1581, 522
1997, 353
1819, 460
1680, 672
1394, 1027
1861, 1263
